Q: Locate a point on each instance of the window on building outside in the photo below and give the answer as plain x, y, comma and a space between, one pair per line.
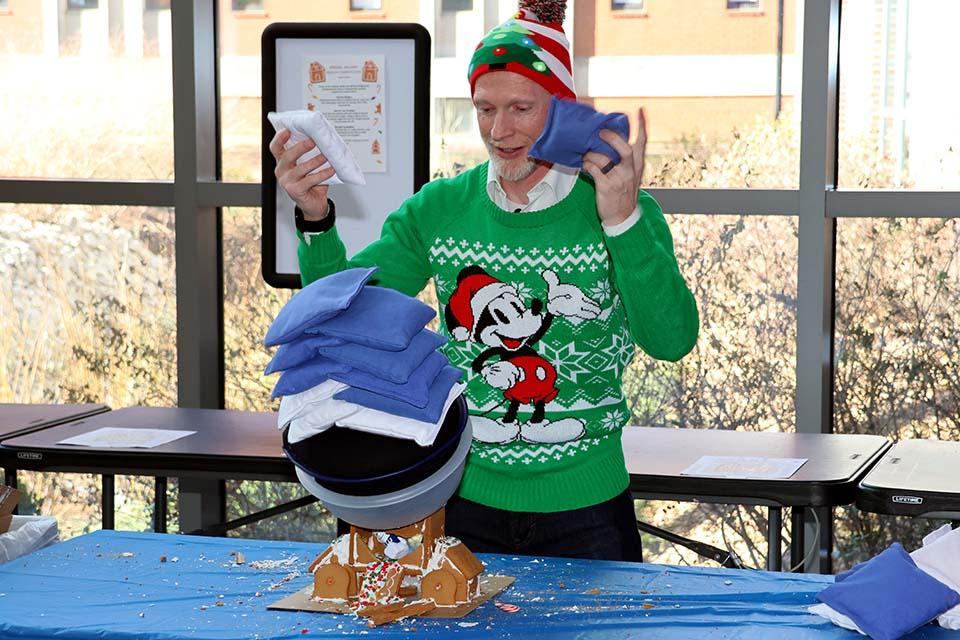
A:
248, 5
366, 5
626, 5
82, 4
449, 6
4, 5
743, 5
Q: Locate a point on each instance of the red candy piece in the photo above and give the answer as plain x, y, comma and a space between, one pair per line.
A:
507, 607
499, 51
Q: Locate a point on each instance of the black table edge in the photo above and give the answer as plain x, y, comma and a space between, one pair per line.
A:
97, 410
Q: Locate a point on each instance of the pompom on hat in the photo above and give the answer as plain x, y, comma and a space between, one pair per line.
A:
531, 43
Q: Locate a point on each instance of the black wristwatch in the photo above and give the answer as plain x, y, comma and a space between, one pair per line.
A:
315, 226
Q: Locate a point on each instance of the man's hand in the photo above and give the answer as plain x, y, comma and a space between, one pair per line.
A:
567, 300
617, 190
502, 375
305, 190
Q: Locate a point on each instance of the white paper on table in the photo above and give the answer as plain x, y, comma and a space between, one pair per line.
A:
744, 467
120, 438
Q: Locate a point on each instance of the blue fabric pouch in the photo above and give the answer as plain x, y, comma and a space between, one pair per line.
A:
307, 376
889, 596
572, 129
322, 299
439, 391
299, 351
415, 391
380, 318
392, 366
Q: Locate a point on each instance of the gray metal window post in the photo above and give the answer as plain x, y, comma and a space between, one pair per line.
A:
198, 248
817, 237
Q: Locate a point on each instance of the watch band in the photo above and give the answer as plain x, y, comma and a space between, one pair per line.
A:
315, 226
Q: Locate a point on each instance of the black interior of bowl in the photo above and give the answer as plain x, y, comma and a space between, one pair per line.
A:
359, 463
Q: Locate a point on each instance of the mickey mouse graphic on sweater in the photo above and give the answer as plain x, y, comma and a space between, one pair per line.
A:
490, 312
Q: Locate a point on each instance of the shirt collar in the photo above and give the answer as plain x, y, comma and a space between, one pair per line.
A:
556, 184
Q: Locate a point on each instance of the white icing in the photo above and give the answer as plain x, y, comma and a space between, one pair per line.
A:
340, 549
440, 548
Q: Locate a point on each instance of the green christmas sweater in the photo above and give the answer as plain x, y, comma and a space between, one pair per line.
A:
542, 310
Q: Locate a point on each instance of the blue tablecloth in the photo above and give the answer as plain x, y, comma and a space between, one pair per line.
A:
110, 585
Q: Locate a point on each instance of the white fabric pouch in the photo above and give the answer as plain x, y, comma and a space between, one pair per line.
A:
387, 424
834, 616
313, 125
319, 418
300, 404
940, 557
27, 534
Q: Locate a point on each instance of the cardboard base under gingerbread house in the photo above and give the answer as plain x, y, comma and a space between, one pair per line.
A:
490, 586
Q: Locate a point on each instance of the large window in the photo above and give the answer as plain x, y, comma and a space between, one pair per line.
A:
87, 315
898, 296
898, 118
88, 293
82, 101
710, 87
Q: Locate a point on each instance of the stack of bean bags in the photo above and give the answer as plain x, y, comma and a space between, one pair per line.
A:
896, 592
372, 414
359, 356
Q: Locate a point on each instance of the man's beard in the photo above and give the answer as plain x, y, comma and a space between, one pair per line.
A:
510, 170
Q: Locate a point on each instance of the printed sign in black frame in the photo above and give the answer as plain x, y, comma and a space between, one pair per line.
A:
418, 84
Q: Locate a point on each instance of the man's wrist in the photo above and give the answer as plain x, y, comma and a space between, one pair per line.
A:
315, 226
624, 225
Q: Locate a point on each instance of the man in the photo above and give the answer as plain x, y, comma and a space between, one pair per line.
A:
546, 278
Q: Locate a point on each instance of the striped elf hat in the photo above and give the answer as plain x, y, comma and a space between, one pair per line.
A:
531, 43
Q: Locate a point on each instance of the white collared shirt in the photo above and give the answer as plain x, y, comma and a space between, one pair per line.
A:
554, 187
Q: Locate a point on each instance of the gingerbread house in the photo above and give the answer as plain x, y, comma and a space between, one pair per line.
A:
317, 72
440, 568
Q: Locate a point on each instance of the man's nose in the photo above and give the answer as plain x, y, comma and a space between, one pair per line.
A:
502, 126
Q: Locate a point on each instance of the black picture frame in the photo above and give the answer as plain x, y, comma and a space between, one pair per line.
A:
340, 31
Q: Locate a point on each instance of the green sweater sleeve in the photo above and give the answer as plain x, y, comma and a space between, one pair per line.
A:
661, 310
400, 252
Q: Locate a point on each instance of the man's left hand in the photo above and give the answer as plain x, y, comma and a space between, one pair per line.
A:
617, 190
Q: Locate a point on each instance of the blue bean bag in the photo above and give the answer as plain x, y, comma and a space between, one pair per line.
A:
320, 300
572, 129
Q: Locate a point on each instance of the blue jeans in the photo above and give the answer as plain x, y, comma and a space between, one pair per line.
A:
605, 531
